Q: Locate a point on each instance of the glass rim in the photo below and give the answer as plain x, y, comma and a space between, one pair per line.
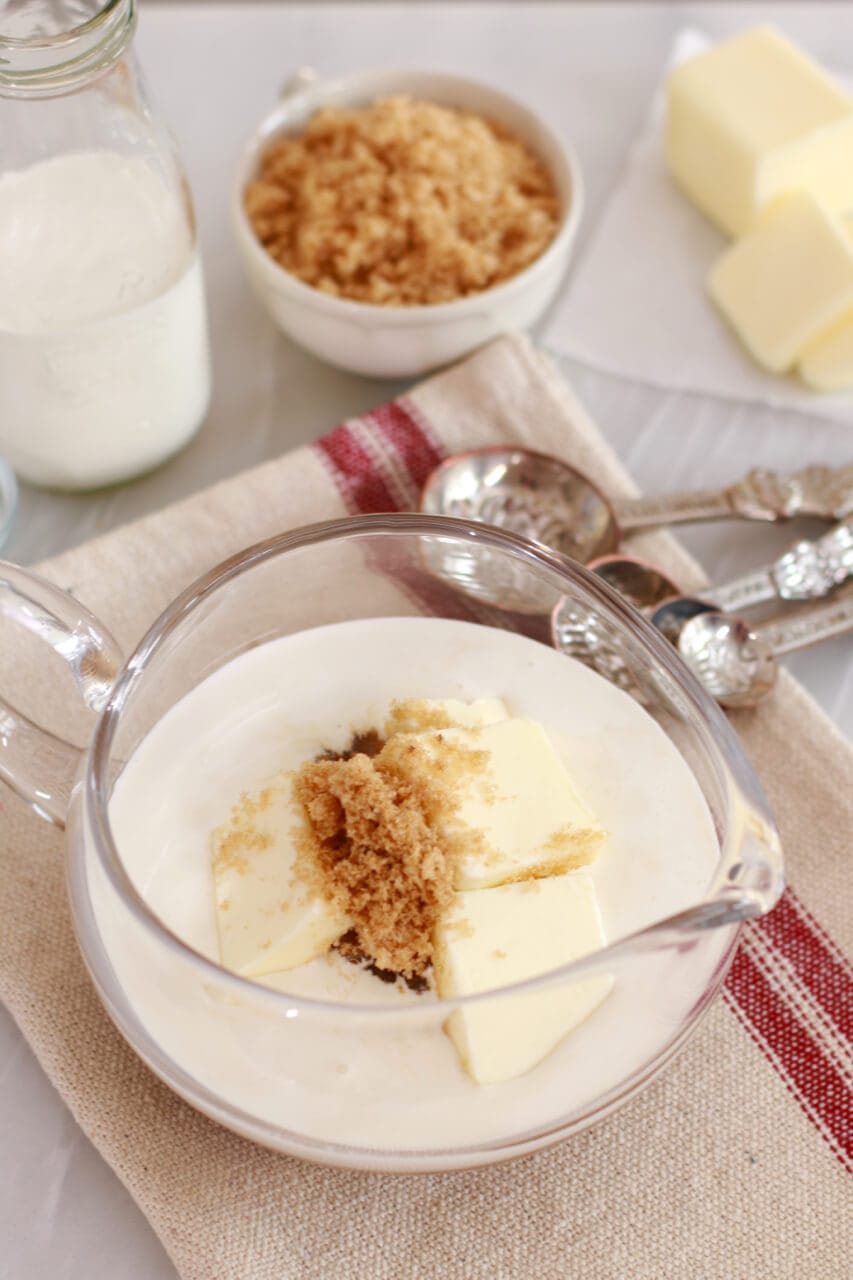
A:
72, 33
102, 39
719, 742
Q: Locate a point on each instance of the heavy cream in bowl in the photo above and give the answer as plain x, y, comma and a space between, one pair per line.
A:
351, 1070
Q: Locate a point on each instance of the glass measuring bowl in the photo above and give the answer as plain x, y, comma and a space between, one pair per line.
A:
267, 1063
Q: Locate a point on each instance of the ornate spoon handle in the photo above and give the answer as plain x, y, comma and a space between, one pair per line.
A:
762, 495
810, 570
787, 635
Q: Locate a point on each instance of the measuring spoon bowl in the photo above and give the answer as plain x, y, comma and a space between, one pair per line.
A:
529, 493
736, 666
639, 581
551, 502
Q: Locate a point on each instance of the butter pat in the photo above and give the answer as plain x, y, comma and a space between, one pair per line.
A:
827, 364
516, 813
754, 118
493, 937
786, 283
267, 918
530, 819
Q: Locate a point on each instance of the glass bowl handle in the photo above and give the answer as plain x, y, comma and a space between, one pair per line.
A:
36, 764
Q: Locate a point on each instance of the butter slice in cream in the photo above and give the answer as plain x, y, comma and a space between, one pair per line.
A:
267, 918
494, 937
518, 815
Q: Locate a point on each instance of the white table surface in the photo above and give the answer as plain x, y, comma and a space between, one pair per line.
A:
213, 70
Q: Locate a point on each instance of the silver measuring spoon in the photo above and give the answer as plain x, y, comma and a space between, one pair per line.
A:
737, 663
552, 503
648, 589
810, 570
642, 583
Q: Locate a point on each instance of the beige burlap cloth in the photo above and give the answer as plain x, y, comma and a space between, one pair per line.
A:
734, 1163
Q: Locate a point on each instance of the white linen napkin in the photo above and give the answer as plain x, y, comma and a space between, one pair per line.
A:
637, 306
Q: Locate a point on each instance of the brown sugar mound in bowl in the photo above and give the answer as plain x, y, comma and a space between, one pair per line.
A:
402, 202
372, 847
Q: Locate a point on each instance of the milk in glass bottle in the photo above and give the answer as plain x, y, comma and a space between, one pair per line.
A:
104, 363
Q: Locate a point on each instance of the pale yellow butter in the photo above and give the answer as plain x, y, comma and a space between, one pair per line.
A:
827, 364
493, 937
266, 917
754, 118
517, 812
787, 282
531, 818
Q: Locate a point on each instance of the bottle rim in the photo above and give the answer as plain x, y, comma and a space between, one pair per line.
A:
44, 65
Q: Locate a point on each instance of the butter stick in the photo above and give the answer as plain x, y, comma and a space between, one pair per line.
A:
787, 282
752, 119
266, 917
493, 937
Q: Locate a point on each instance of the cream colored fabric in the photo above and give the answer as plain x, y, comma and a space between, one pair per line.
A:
714, 1171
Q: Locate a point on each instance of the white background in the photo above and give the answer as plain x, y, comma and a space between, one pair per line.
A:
213, 71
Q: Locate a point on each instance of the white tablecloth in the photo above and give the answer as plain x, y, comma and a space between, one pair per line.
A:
213, 70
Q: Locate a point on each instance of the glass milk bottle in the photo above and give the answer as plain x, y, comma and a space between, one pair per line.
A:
104, 362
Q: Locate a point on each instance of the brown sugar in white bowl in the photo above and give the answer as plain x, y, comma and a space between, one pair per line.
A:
398, 338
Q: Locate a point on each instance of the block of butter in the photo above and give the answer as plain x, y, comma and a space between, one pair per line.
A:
751, 119
827, 363
518, 814
787, 282
267, 918
493, 937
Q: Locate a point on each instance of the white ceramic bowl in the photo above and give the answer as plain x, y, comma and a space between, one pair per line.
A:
406, 341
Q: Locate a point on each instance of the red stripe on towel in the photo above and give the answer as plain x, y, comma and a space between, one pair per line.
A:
411, 437
359, 484
812, 1079
815, 961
